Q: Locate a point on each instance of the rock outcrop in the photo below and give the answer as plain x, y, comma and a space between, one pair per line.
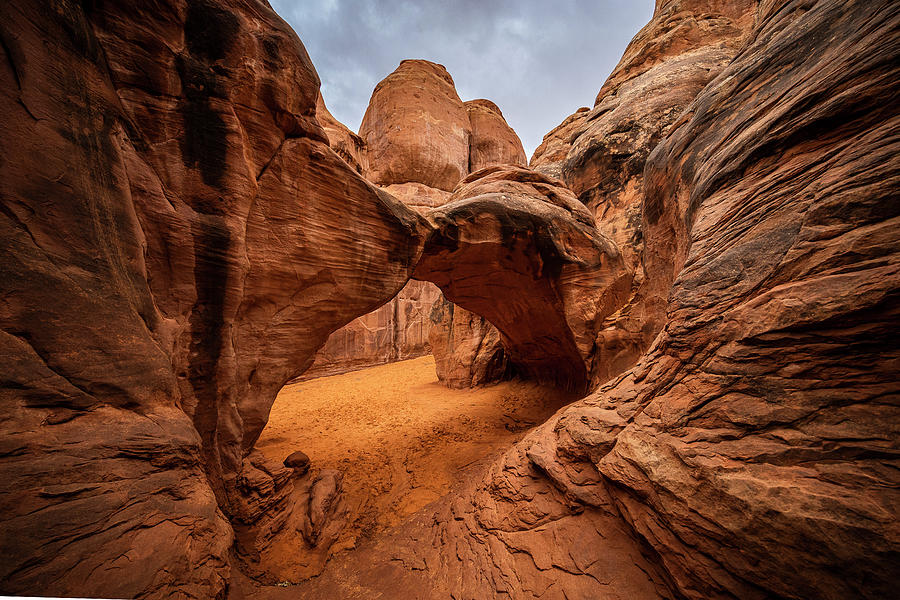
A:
600, 153
467, 349
493, 141
508, 229
347, 144
399, 330
423, 145
178, 241
752, 452
416, 128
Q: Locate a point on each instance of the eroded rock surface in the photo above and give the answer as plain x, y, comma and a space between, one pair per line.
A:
399, 330
414, 122
752, 451
347, 144
467, 348
508, 229
416, 128
180, 238
600, 153
178, 241
493, 142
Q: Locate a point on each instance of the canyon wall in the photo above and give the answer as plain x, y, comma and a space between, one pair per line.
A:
600, 153
178, 241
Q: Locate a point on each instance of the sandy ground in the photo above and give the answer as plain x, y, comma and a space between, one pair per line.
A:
399, 436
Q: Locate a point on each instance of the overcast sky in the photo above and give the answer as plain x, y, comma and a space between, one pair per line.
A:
538, 60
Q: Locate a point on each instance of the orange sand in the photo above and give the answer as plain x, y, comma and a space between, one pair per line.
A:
399, 436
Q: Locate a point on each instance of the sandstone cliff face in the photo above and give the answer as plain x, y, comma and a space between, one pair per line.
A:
178, 241
177, 246
399, 330
752, 451
600, 153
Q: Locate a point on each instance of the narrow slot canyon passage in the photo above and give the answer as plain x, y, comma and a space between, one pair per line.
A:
400, 438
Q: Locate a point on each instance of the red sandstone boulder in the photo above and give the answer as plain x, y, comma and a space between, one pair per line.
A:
493, 141
416, 128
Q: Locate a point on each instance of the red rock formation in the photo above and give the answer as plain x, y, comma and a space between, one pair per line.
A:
549, 157
600, 154
401, 126
752, 451
508, 228
347, 144
399, 330
493, 141
416, 128
467, 348
178, 240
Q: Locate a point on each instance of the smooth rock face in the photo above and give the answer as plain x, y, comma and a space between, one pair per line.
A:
752, 451
493, 141
511, 233
467, 348
416, 128
178, 241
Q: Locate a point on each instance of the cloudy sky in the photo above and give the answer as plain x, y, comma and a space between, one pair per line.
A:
538, 60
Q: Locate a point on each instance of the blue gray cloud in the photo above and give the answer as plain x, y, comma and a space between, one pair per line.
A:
537, 60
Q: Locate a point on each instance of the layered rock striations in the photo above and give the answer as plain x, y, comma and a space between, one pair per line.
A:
752, 450
398, 330
178, 241
600, 153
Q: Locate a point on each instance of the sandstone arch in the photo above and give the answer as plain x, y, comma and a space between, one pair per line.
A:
518, 249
